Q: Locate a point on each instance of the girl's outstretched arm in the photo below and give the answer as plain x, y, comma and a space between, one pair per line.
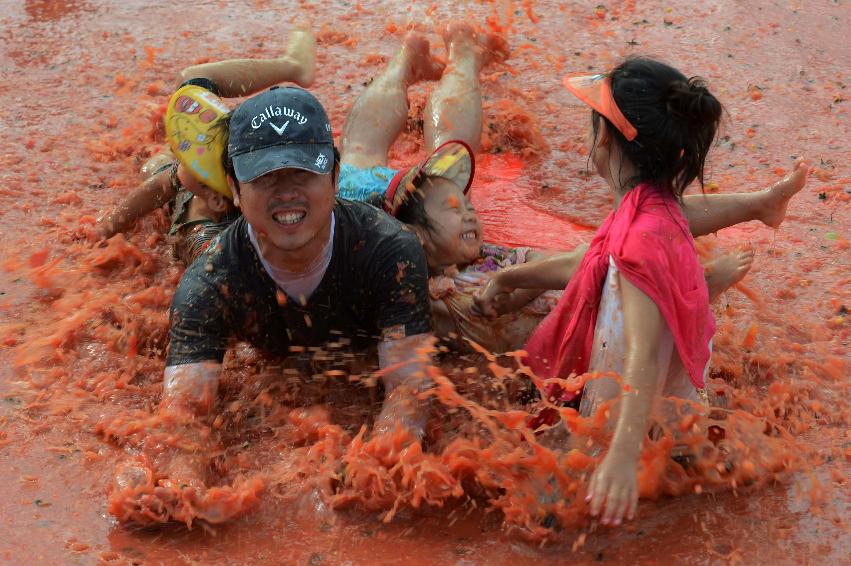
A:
613, 490
553, 272
154, 193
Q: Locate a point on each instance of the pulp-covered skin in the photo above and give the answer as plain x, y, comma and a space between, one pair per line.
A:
84, 111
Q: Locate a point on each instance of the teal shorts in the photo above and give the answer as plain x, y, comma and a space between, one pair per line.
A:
364, 184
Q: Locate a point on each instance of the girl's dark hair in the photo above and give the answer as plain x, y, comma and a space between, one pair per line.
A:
412, 211
227, 162
676, 118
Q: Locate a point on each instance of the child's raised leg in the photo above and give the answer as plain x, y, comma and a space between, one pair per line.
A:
454, 109
241, 77
381, 111
709, 213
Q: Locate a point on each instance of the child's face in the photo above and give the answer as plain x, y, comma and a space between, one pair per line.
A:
215, 201
456, 234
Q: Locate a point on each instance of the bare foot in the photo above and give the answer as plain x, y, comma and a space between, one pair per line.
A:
416, 52
723, 272
488, 48
776, 197
301, 52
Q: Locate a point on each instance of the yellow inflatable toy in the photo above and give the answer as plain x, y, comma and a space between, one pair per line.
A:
197, 135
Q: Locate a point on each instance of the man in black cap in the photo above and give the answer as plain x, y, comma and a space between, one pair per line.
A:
299, 269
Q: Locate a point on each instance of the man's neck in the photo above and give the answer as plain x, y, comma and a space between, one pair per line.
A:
300, 260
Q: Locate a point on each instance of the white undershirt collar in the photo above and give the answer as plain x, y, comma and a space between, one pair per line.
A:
298, 285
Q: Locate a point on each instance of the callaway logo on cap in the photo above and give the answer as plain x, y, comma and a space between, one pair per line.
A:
279, 129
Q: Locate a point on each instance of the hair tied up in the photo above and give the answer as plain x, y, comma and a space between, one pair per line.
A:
676, 118
691, 101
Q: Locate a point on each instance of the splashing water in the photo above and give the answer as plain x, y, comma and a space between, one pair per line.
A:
85, 329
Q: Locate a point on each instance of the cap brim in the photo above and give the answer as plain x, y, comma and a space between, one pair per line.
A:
453, 161
316, 158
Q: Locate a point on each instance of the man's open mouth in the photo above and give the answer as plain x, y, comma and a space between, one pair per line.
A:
469, 235
289, 218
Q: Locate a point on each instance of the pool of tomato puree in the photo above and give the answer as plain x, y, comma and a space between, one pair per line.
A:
80, 105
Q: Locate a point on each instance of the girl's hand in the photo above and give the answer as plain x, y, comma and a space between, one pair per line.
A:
466, 280
485, 303
613, 490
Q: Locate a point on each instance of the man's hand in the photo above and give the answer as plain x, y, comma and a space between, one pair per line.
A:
189, 390
405, 362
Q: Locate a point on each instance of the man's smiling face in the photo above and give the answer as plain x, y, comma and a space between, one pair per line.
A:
289, 208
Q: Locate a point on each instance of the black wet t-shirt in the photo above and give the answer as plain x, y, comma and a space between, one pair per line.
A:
377, 281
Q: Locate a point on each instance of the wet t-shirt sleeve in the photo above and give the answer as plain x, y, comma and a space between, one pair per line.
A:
400, 287
197, 321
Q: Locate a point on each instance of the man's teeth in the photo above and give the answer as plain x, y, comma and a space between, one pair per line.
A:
289, 217
471, 235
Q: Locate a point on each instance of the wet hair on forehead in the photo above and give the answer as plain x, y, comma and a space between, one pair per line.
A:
412, 211
676, 118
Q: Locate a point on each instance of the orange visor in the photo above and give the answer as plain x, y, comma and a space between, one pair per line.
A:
596, 92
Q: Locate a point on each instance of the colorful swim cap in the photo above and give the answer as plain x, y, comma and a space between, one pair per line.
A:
452, 161
196, 135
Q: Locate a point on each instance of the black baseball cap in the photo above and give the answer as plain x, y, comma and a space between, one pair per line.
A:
281, 128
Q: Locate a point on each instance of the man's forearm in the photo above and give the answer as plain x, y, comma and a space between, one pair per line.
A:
404, 364
190, 390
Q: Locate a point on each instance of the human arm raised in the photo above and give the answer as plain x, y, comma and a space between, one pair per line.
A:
153, 194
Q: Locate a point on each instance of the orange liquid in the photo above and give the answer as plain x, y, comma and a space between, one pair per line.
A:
294, 475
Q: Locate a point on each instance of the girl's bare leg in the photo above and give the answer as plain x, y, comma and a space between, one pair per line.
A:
242, 77
380, 112
454, 110
707, 214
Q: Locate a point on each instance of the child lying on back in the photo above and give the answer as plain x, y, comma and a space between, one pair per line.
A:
432, 200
